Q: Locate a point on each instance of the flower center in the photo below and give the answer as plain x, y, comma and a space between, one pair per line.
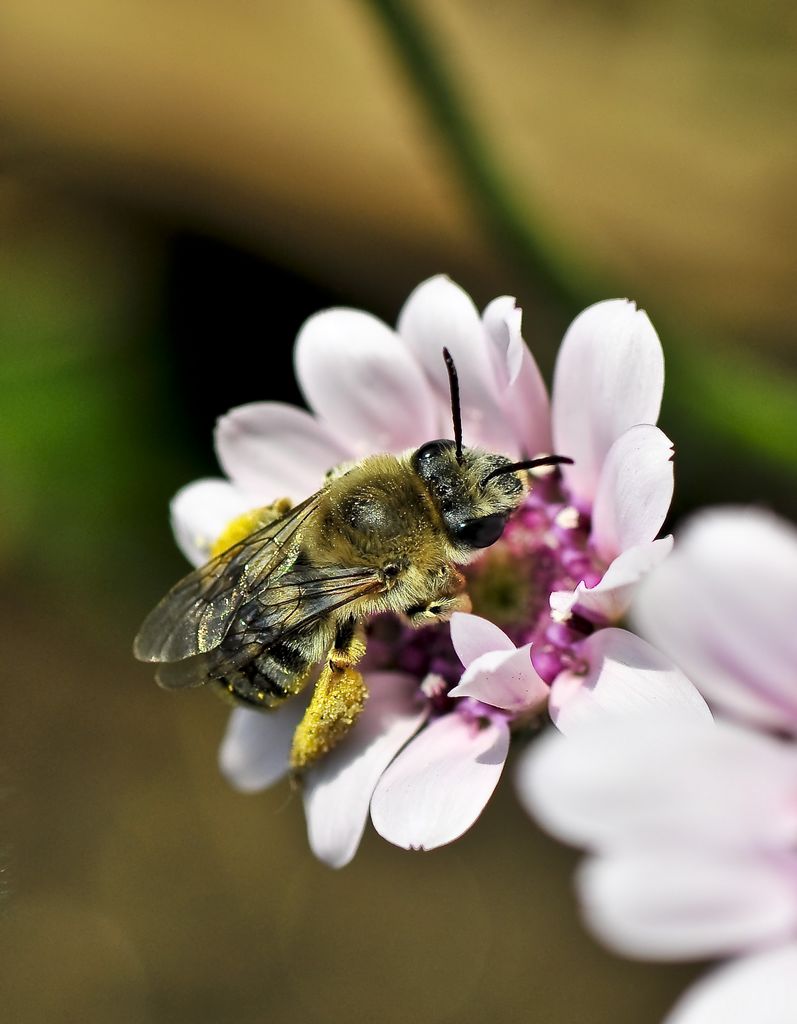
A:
500, 593
545, 547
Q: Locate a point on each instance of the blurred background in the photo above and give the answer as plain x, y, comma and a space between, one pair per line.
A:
181, 184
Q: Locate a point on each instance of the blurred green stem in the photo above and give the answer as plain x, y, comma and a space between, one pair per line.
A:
508, 219
706, 383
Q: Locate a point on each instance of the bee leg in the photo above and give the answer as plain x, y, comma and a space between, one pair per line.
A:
439, 610
337, 701
240, 527
449, 596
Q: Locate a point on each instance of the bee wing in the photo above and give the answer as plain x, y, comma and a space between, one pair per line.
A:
196, 614
192, 672
197, 670
298, 600
293, 603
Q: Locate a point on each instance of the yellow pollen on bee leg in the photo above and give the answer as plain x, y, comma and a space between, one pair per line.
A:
338, 700
240, 527
345, 659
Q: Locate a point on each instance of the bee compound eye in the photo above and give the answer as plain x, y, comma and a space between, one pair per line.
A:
432, 449
391, 571
480, 533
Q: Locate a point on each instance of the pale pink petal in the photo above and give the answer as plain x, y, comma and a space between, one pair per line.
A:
504, 679
439, 785
623, 677
440, 314
610, 598
502, 320
759, 989
338, 790
255, 748
473, 636
201, 511
744, 536
670, 905
634, 491
270, 450
524, 395
358, 375
609, 376
656, 785
724, 607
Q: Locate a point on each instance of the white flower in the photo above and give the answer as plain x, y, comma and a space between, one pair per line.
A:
694, 829
583, 542
735, 571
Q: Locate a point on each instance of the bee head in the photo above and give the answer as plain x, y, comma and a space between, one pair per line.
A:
475, 491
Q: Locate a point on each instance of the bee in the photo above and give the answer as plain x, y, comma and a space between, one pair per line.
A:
386, 534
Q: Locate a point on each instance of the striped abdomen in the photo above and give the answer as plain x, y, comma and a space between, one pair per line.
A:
270, 677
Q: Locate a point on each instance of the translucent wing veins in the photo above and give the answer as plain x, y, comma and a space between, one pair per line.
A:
196, 614
275, 614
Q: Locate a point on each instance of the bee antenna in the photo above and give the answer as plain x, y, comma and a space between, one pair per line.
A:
456, 408
545, 460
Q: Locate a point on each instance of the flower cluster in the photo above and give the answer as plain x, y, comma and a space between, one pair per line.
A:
693, 829
430, 746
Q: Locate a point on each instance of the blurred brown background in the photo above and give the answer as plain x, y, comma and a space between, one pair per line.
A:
181, 185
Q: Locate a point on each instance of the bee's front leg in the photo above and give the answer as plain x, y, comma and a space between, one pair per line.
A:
439, 610
448, 595
337, 701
